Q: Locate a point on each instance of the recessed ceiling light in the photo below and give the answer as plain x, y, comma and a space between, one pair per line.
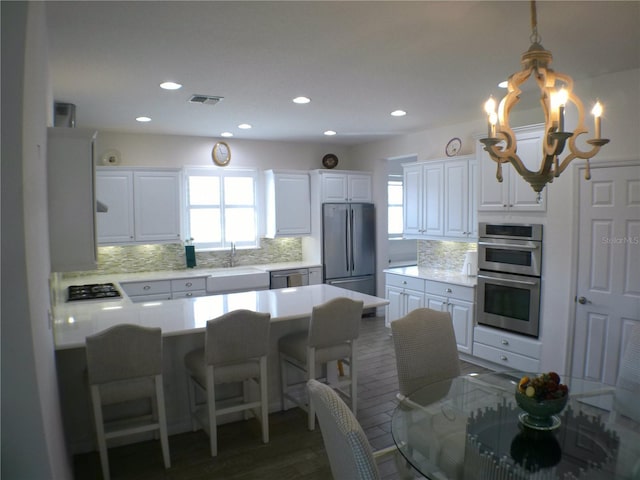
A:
226, 134
503, 84
398, 113
143, 119
170, 85
244, 126
301, 100
330, 133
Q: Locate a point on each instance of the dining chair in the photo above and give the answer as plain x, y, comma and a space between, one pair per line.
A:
124, 364
236, 348
334, 328
350, 454
426, 353
425, 348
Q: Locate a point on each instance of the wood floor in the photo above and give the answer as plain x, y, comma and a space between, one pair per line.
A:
293, 452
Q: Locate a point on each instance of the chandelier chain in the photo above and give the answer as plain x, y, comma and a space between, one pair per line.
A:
535, 37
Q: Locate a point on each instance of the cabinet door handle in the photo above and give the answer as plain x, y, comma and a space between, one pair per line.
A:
503, 358
147, 287
188, 284
505, 342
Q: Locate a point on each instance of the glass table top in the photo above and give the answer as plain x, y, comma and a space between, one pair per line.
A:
469, 427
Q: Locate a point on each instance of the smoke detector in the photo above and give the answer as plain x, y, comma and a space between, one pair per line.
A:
205, 99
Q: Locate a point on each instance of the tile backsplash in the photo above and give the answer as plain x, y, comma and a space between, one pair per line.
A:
171, 256
443, 255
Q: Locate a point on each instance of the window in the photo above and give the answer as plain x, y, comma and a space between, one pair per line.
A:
395, 206
221, 208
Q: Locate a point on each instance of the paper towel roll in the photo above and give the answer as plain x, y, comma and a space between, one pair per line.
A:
470, 265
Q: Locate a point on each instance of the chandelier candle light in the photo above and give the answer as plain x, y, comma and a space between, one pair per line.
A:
556, 91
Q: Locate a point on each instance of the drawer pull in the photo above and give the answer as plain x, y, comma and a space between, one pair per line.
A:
503, 358
505, 342
448, 290
189, 294
404, 282
188, 284
147, 287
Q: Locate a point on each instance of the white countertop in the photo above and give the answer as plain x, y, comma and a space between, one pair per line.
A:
74, 321
448, 276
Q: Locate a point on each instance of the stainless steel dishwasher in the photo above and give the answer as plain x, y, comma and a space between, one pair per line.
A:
289, 278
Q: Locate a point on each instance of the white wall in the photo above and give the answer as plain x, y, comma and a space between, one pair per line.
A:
176, 151
620, 93
33, 444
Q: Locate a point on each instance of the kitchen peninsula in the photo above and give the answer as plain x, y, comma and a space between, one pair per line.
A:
182, 322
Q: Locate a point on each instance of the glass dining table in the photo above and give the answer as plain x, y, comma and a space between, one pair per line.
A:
470, 427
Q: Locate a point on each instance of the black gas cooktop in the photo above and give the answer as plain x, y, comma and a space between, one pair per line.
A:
92, 292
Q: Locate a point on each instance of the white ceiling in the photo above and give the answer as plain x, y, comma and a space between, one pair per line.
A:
357, 61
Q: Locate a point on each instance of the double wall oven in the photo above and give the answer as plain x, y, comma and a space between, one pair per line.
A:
509, 274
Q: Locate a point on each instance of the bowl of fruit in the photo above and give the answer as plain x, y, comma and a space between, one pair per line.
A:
541, 397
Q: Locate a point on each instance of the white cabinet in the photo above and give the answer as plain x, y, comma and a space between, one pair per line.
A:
115, 189
315, 275
71, 199
459, 302
155, 290
440, 199
423, 200
143, 206
344, 186
510, 351
460, 202
288, 204
188, 287
513, 194
404, 294
156, 202
147, 291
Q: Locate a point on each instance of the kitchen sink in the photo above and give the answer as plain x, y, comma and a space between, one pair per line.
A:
237, 279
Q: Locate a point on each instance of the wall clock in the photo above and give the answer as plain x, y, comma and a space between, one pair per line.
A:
221, 154
330, 161
453, 147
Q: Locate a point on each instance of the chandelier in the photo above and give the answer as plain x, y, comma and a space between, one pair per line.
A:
556, 91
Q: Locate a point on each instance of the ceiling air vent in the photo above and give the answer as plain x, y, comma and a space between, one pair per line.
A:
205, 99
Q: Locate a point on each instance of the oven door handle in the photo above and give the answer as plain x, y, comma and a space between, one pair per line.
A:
507, 281
509, 245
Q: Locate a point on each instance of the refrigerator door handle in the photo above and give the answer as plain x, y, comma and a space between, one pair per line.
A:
346, 240
351, 236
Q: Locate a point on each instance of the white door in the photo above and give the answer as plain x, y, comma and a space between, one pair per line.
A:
608, 283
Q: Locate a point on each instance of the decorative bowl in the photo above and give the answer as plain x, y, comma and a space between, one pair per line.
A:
540, 414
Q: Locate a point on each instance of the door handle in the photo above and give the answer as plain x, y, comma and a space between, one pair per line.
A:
583, 300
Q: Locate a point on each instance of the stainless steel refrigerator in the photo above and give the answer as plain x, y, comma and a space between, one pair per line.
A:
348, 246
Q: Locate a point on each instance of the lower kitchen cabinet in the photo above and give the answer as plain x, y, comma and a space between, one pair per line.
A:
404, 294
511, 351
154, 290
459, 302
315, 275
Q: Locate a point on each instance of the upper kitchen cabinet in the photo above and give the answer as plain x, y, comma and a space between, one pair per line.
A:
460, 198
71, 198
144, 205
513, 194
344, 186
288, 203
440, 199
115, 189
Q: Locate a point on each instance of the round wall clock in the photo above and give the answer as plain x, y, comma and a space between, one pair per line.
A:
221, 154
330, 161
453, 147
